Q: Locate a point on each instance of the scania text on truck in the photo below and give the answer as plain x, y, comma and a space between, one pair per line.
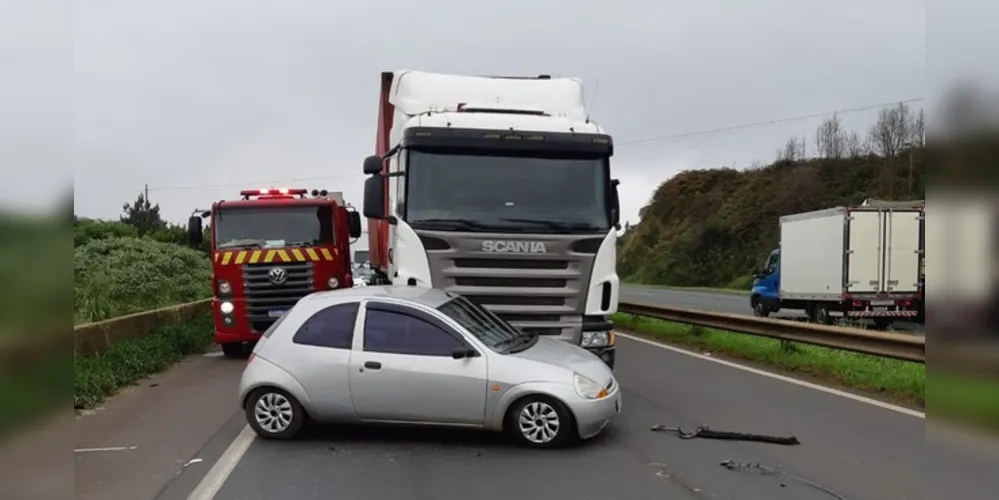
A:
269, 249
859, 262
498, 189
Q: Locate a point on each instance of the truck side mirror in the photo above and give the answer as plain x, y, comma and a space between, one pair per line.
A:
374, 197
354, 224
195, 232
373, 165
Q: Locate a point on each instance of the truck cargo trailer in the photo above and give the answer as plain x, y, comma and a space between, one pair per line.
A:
850, 262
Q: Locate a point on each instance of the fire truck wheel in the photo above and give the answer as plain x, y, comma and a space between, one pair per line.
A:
235, 350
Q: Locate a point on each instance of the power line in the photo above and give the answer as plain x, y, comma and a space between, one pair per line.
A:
764, 123
618, 145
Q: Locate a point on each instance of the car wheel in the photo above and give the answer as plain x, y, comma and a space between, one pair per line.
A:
274, 414
540, 422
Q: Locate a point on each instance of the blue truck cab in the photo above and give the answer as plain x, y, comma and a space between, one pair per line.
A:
765, 294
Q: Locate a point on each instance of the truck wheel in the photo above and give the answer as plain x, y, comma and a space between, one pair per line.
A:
820, 314
882, 323
234, 350
759, 308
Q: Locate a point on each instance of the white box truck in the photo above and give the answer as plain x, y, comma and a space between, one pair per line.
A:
853, 262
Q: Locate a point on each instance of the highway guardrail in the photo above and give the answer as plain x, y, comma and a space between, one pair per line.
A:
883, 344
94, 338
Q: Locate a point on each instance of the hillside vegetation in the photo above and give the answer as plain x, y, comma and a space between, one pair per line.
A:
710, 228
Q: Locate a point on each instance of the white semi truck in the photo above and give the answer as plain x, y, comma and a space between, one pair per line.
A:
861, 262
498, 189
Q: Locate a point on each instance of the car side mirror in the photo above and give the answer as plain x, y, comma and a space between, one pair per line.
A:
462, 353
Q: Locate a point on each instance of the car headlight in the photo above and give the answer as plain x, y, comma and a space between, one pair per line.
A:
595, 339
226, 307
224, 287
587, 388
333, 282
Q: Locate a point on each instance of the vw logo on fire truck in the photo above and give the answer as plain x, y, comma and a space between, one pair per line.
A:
278, 275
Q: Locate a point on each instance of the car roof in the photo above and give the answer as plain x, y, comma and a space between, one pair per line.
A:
430, 297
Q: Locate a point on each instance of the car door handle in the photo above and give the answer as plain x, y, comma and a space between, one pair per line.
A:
372, 365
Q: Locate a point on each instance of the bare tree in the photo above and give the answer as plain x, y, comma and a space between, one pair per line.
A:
793, 150
917, 129
830, 138
854, 146
891, 132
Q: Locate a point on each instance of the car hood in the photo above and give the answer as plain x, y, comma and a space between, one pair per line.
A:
566, 355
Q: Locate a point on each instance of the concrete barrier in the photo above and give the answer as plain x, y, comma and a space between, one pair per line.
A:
93, 338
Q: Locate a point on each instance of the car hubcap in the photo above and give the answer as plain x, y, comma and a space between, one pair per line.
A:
273, 412
539, 422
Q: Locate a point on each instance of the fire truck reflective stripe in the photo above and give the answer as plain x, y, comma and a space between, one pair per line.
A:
225, 258
284, 255
255, 256
326, 253
270, 256
240, 256
312, 254
299, 257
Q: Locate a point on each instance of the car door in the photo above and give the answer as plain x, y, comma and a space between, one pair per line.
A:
405, 372
320, 353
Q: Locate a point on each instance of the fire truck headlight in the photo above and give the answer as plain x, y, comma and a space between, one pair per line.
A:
224, 287
226, 307
333, 283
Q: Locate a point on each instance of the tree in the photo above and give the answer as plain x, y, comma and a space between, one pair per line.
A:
142, 215
793, 150
917, 129
855, 147
892, 131
830, 138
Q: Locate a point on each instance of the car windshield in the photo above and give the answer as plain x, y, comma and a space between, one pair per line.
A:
264, 227
497, 334
462, 192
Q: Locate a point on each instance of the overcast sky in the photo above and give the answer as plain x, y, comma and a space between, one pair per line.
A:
199, 98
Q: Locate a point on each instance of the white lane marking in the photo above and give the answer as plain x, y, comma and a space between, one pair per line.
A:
213, 481
764, 373
107, 448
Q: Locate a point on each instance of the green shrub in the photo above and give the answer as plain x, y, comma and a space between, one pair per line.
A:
116, 276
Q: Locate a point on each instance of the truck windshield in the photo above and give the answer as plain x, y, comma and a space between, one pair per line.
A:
273, 226
461, 192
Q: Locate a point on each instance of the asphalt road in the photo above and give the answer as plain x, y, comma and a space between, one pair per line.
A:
857, 449
716, 302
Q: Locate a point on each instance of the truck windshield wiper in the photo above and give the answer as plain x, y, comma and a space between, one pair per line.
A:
466, 224
555, 226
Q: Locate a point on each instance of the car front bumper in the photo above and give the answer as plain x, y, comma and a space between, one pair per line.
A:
593, 416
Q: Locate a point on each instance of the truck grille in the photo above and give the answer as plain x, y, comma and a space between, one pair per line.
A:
262, 295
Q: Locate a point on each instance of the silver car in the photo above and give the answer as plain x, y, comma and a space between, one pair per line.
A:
420, 356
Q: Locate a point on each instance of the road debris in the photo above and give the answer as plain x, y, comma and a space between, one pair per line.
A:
706, 433
776, 471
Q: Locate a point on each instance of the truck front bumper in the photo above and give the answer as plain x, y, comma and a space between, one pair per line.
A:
607, 353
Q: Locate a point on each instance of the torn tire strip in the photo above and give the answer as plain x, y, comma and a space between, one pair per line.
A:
706, 433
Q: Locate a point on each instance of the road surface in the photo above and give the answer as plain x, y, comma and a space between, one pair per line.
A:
731, 303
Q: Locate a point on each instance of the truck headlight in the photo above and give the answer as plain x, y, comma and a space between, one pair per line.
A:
333, 283
586, 388
595, 339
226, 307
224, 287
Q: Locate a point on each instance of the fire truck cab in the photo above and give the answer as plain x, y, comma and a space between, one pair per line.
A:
269, 249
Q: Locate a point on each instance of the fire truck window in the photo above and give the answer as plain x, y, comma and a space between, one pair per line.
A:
331, 327
397, 333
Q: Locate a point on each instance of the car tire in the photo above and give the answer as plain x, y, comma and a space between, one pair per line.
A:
539, 421
274, 414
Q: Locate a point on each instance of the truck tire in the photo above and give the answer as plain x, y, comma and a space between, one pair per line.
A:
759, 308
882, 323
235, 350
819, 313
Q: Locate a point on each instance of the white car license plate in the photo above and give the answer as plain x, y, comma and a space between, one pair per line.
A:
276, 313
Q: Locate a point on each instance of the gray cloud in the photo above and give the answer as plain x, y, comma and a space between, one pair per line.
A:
176, 93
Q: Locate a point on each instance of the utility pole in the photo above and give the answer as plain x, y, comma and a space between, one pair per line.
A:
145, 196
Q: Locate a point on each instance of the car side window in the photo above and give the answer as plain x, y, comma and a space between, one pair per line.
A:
331, 327
772, 262
394, 332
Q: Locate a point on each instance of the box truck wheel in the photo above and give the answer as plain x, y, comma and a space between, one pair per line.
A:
819, 313
759, 308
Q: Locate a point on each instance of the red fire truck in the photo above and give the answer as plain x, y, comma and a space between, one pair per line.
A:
269, 249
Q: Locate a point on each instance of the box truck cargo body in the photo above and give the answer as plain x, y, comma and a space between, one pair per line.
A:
857, 262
